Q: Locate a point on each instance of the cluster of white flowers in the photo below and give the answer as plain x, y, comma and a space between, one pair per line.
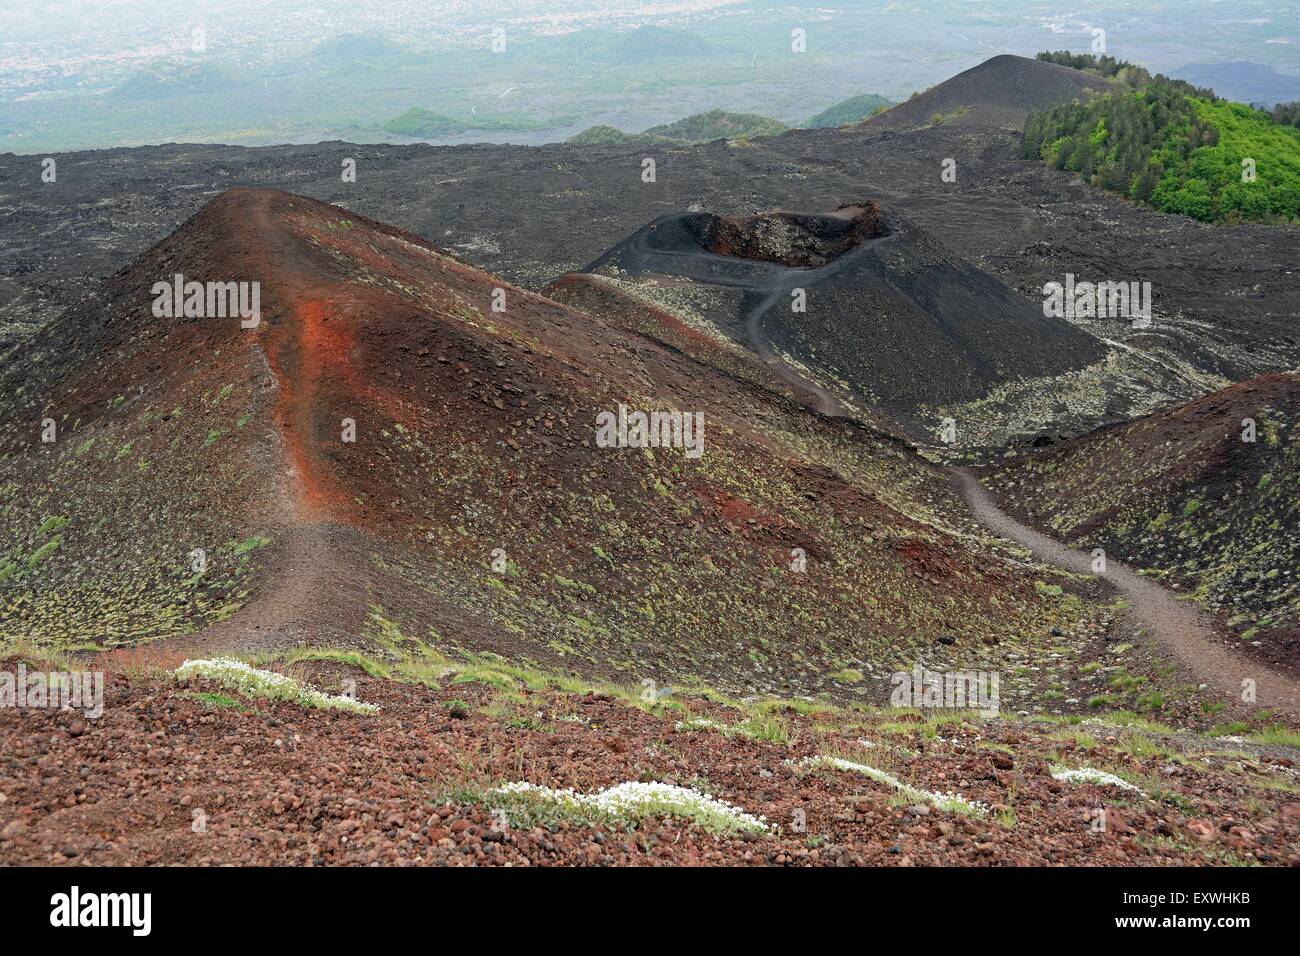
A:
953, 802
701, 723
1089, 775
241, 678
630, 802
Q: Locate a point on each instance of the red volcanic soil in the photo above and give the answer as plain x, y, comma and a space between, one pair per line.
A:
317, 349
276, 784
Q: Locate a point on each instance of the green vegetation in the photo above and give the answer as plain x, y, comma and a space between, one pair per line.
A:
1104, 66
950, 802
1177, 148
43, 552
717, 124
605, 136
215, 700
853, 110
761, 726
700, 128
249, 544
766, 727
1287, 114
52, 523
938, 119
1276, 734
1234, 729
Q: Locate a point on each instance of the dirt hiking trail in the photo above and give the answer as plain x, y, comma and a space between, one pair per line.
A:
1184, 630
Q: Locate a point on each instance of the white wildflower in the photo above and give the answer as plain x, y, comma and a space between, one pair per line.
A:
1090, 775
627, 803
251, 682
943, 800
701, 723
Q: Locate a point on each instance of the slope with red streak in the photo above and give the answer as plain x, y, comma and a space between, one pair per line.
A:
475, 430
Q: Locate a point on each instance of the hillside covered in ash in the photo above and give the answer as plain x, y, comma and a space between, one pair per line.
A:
1223, 301
644, 503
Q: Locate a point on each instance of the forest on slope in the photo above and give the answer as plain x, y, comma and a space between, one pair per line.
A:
1171, 145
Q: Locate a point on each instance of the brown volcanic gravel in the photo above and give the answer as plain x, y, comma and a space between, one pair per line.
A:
280, 784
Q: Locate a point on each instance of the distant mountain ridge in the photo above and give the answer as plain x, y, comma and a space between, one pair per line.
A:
699, 128
1243, 81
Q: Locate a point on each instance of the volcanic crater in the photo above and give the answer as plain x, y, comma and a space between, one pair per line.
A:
796, 240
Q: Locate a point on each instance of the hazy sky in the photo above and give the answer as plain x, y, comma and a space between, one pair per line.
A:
77, 73
84, 32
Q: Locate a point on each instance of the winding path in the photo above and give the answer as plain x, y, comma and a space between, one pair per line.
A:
1187, 632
